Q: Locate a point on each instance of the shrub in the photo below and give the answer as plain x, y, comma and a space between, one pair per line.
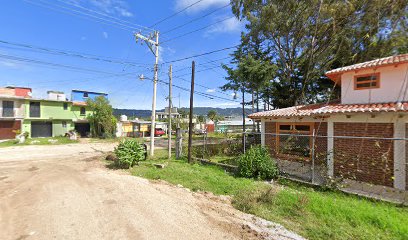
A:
129, 152
257, 163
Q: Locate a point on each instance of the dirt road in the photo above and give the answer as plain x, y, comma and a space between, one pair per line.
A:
65, 192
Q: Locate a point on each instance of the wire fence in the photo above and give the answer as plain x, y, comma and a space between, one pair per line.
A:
316, 159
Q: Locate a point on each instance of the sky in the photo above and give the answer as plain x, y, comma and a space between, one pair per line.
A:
90, 45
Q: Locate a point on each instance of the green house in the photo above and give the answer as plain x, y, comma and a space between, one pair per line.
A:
52, 118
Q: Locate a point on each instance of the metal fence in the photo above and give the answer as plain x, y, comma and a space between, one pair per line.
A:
311, 158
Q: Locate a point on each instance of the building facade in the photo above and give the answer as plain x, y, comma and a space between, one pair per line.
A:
361, 137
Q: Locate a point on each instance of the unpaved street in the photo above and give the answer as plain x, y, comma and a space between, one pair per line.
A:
65, 192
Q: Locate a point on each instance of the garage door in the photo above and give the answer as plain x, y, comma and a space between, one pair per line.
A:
41, 129
8, 128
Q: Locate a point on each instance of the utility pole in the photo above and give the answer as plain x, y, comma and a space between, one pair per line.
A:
190, 123
153, 43
170, 105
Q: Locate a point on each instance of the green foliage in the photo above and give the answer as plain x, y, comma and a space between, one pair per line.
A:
257, 163
290, 44
129, 152
212, 114
309, 212
103, 123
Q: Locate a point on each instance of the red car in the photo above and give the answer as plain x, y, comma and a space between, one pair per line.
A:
158, 132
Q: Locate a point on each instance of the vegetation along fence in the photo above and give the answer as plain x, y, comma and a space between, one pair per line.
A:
315, 159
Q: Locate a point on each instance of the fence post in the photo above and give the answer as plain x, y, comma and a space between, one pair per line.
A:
178, 143
244, 141
313, 157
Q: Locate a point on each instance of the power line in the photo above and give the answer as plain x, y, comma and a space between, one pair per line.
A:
201, 54
21, 59
107, 15
196, 19
175, 14
76, 12
73, 54
196, 30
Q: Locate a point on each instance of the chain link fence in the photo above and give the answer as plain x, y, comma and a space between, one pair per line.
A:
310, 158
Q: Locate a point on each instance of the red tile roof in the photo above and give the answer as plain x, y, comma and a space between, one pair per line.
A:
332, 108
79, 103
398, 59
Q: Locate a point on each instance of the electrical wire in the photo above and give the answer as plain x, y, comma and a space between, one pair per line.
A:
195, 19
83, 14
106, 15
196, 30
73, 54
175, 14
201, 54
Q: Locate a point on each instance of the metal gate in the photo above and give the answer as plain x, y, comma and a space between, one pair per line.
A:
41, 129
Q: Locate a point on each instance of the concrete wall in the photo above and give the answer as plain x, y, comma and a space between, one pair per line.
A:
393, 86
19, 110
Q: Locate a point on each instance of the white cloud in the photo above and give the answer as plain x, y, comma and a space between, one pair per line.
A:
210, 90
83, 38
180, 4
105, 35
227, 26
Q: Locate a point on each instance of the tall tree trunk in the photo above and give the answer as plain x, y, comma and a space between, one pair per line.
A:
257, 109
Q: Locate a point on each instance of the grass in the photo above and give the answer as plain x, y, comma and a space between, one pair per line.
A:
312, 213
38, 141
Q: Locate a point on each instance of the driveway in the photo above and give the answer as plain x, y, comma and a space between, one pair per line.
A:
65, 192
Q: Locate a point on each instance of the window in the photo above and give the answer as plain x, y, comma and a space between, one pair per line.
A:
35, 109
367, 81
64, 124
85, 95
82, 111
8, 109
294, 138
65, 106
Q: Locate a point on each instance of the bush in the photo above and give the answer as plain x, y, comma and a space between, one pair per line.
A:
129, 152
257, 163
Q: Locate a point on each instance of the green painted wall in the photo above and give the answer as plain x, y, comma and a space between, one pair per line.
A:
76, 113
51, 110
57, 128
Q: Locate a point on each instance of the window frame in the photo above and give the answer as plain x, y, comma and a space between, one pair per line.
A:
65, 106
86, 95
82, 113
5, 113
377, 81
30, 110
294, 131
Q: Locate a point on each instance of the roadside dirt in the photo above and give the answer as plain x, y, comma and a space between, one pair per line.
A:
65, 192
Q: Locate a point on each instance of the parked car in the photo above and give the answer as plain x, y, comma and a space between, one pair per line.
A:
158, 132
200, 131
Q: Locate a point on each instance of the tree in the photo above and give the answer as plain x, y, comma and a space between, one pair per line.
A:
102, 121
212, 114
300, 40
201, 119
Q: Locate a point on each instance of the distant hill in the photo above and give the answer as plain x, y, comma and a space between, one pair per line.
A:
197, 111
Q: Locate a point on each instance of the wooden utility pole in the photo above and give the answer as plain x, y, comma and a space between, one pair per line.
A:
243, 117
170, 106
190, 123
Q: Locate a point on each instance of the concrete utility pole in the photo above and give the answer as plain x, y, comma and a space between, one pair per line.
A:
170, 105
154, 47
190, 123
